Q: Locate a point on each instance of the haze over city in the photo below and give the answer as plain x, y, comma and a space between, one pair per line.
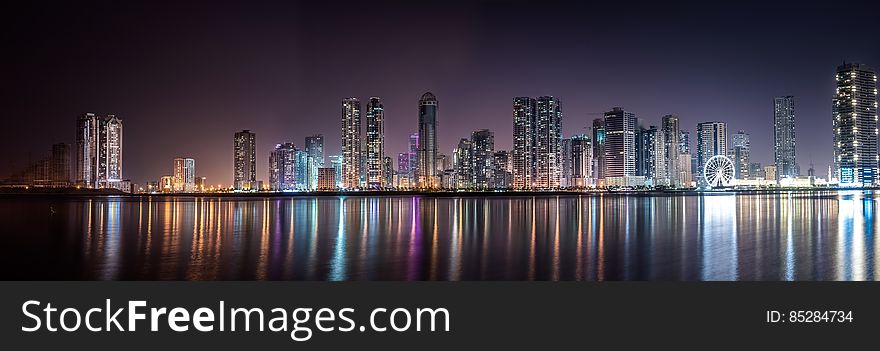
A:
186, 77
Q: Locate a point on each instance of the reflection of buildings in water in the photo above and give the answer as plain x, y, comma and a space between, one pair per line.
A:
718, 237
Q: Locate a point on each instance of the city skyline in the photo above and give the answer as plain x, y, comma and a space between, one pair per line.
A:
195, 116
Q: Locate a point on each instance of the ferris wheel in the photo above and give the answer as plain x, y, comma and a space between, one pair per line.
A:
718, 171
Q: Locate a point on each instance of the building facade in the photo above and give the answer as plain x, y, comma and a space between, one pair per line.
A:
351, 143
99, 152
854, 113
375, 171
245, 161
427, 176
784, 137
184, 175
739, 154
620, 147
282, 167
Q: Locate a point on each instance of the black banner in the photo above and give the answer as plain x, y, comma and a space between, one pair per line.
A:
497, 315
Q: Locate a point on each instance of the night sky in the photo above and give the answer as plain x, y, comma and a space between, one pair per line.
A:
185, 76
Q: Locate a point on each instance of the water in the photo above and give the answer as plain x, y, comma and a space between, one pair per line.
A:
778, 236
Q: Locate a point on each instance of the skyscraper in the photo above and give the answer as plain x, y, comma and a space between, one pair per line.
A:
463, 163
854, 110
503, 178
599, 150
671, 148
651, 152
620, 147
413, 156
245, 161
783, 137
282, 167
99, 151
523, 142
482, 155
184, 175
581, 161
375, 144
336, 164
739, 153
711, 141
315, 148
427, 176
548, 140
351, 143
565, 163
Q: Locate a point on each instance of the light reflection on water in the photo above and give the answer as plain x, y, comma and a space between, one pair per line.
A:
783, 236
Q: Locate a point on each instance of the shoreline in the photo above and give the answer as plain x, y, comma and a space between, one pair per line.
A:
55, 192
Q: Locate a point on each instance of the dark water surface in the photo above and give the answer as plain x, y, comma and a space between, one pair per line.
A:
780, 236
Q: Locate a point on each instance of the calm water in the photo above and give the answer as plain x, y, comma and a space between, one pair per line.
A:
787, 236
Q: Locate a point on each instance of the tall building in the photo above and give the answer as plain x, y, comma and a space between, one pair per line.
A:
375, 171
548, 140
482, 156
315, 148
463, 163
854, 110
336, 164
99, 151
282, 167
503, 170
671, 148
523, 159
413, 155
599, 150
184, 175
711, 141
620, 147
245, 161
581, 161
351, 143
427, 175
651, 156
783, 137
739, 153
387, 172
565, 163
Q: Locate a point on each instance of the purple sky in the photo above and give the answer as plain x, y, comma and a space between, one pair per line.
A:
186, 76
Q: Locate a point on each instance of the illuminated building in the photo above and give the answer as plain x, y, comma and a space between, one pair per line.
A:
523, 159
599, 151
427, 176
99, 152
351, 143
854, 112
784, 137
184, 174
548, 139
739, 153
326, 179
651, 156
463, 163
671, 148
581, 158
282, 167
336, 164
620, 148
375, 153
482, 154
245, 161
315, 148
502, 170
